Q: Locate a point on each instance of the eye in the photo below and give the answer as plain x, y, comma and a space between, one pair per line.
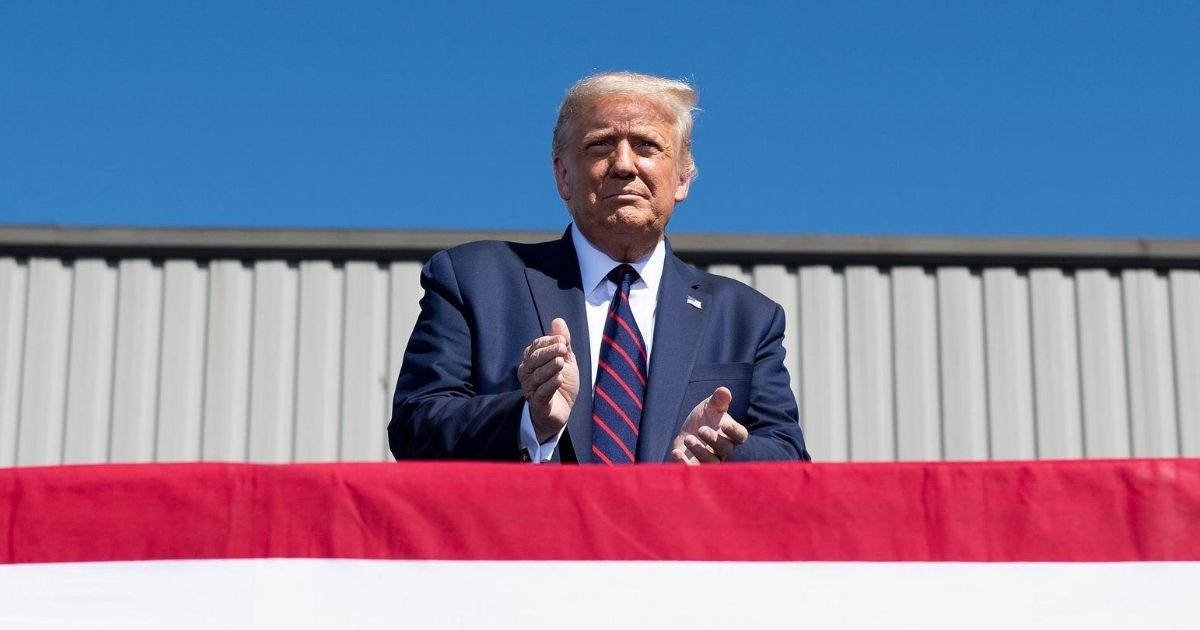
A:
649, 146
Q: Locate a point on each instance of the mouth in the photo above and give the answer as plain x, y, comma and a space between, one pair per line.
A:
625, 194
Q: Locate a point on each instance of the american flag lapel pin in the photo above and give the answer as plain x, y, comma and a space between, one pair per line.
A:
694, 302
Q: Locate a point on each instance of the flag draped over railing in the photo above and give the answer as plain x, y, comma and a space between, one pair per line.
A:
1007, 527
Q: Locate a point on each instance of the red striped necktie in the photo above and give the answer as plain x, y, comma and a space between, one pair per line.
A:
620, 378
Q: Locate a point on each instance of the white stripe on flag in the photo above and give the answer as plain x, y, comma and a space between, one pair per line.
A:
294, 593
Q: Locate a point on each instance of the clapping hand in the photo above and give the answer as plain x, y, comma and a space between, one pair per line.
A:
709, 433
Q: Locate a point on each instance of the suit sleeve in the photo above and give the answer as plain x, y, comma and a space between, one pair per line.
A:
772, 418
437, 412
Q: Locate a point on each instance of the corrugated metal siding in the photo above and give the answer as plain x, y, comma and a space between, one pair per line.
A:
182, 360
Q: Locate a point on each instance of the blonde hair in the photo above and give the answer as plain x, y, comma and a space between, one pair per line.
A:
676, 97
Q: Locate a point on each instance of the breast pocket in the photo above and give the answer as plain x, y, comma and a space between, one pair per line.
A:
721, 372
706, 378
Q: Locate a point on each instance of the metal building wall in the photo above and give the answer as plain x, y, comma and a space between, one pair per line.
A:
127, 359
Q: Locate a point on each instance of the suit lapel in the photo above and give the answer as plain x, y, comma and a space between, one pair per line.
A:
678, 327
555, 286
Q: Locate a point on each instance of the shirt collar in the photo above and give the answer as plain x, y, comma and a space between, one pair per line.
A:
594, 264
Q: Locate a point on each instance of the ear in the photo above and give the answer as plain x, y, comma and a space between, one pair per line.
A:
681, 190
560, 178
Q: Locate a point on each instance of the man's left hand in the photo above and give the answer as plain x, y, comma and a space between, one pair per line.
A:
709, 433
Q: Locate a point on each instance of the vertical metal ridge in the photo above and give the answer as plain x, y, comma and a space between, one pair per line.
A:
891, 293
158, 360
208, 282
987, 369
341, 358
62, 442
1128, 378
846, 365
158, 377
1174, 332
1078, 323
112, 372
1033, 365
251, 330
296, 363
20, 367
941, 367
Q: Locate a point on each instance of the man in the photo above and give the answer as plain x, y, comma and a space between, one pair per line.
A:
601, 347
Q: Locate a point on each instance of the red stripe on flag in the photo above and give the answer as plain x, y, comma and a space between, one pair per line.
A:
993, 511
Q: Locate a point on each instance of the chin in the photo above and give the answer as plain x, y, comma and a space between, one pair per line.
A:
632, 216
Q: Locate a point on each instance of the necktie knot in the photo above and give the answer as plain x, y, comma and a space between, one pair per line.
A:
623, 275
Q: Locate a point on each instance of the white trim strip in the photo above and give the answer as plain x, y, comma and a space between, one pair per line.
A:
291, 594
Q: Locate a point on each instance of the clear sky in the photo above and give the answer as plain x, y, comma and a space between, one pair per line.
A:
970, 118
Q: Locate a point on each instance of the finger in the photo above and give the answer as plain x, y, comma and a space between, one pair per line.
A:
558, 328
678, 455
718, 403
546, 372
719, 443
532, 362
700, 450
541, 342
734, 430
544, 355
544, 392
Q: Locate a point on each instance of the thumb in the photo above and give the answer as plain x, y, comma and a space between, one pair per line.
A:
718, 403
559, 327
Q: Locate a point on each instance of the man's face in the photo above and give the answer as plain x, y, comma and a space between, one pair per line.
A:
620, 174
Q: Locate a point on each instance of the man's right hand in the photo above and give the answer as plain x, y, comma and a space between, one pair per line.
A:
549, 378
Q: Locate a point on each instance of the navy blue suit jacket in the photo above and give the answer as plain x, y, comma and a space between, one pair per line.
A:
458, 396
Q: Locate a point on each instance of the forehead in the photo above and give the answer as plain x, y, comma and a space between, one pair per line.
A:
625, 112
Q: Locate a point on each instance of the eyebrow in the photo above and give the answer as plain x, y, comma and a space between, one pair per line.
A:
646, 132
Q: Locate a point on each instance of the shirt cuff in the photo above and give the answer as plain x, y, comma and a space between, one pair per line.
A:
539, 453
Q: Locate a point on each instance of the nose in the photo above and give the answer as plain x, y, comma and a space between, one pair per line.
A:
623, 165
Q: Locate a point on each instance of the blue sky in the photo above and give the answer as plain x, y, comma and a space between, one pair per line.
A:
1035, 118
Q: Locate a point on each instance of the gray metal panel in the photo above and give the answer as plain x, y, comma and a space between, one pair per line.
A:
404, 293
283, 361
736, 272
364, 355
1055, 365
44, 363
181, 375
1102, 364
90, 364
823, 363
135, 367
227, 362
915, 368
319, 362
869, 365
273, 362
961, 353
1185, 319
782, 285
13, 284
1151, 373
1009, 377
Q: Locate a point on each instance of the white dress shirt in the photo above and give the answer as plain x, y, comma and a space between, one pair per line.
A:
598, 290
